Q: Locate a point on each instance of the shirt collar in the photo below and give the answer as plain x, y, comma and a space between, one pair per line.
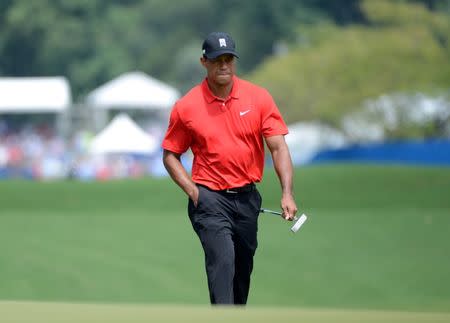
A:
210, 97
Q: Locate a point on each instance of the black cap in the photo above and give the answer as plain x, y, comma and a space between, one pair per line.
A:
218, 43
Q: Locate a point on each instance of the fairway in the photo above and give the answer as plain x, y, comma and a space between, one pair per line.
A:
376, 243
87, 313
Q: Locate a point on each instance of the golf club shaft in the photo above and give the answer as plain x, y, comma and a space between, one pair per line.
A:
274, 212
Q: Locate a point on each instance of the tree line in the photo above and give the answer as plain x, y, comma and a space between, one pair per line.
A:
92, 41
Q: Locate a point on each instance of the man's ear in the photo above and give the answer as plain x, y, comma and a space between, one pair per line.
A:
203, 61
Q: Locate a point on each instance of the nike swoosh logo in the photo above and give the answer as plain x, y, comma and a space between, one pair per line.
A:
244, 112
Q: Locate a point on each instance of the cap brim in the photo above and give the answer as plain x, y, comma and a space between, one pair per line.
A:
221, 52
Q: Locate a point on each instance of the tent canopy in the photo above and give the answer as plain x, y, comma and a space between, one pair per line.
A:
134, 90
123, 135
306, 139
34, 94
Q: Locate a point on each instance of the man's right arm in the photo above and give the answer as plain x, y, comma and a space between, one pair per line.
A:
177, 172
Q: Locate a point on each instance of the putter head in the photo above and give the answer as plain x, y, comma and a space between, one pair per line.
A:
298, 223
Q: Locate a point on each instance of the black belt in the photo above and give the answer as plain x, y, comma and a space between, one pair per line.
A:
243, 189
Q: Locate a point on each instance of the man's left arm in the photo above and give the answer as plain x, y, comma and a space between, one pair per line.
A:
284, 169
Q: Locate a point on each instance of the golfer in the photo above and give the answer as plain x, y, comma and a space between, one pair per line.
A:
225, 121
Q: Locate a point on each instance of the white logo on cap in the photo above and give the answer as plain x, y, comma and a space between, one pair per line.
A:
222, 42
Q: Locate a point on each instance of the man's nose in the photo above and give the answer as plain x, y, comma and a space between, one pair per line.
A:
222, 63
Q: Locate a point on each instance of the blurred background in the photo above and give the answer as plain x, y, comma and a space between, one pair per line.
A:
348, 76
88, 214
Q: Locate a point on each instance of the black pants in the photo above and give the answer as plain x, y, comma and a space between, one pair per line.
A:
227, 225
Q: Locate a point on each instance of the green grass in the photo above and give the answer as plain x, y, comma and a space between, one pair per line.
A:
376, 239
25, 312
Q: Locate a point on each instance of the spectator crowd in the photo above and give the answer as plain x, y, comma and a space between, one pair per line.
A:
38, 152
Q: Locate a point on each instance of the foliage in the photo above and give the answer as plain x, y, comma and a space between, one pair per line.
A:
92, 41
332, 70
392, 45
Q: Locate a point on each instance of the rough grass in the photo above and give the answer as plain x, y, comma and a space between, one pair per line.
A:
377, 238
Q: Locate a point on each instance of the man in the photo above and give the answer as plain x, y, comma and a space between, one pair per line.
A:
224, 121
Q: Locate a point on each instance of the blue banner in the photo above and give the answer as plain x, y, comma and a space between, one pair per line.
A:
426, 152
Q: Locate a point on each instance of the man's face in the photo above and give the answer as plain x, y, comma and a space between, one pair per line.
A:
220, 70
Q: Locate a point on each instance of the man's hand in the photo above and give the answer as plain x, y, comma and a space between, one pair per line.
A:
193, 195
288, 206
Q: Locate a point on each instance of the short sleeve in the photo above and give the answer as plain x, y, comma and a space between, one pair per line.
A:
177, 138
272, 121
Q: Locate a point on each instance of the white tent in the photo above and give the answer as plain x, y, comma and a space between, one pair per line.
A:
134, 90
306, 139
123, 135
34, 94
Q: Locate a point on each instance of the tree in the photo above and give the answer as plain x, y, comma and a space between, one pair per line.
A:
339, 68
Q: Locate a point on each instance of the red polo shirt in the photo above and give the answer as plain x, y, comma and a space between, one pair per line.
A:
225, 136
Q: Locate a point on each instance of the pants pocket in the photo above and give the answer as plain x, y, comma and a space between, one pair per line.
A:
191, 207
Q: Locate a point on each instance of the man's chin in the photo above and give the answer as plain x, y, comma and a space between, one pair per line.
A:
224, 79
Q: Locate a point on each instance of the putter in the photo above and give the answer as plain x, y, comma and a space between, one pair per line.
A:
298, 220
